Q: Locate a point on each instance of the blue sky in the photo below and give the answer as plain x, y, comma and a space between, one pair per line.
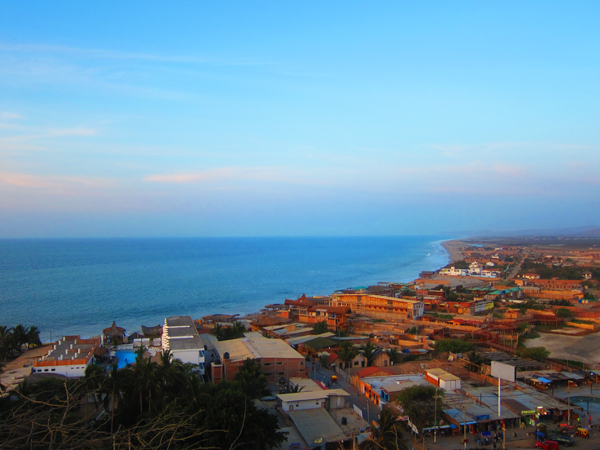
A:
312, 118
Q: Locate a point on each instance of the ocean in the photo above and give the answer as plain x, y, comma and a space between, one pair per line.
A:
79, 286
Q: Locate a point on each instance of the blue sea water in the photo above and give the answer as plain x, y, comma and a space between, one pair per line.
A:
79, 286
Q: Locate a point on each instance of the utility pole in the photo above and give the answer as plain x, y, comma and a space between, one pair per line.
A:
499, 397
569, 403
465, 425
435, 418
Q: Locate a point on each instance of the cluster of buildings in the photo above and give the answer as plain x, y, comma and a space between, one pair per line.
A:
486, 303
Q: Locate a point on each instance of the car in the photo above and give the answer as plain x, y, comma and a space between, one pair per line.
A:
547, 445
567, 441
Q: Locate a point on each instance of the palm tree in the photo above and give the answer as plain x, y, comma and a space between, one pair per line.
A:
347, 352
172, 374
368, 350
252, 379
145, 375
395, 356
33, 337
6, 344
218, 332
387, 436
238, 330
112, 387
94, 378
19, 336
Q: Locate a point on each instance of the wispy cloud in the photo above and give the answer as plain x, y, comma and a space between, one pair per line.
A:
56, 183
113, 54
496, 148
266, 174
7, 115
58, 132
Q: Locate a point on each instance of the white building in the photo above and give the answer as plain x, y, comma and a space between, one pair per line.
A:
68, 357
181, 337
328, 399
453, 271
443, 379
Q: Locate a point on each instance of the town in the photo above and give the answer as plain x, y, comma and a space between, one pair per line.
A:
498, 348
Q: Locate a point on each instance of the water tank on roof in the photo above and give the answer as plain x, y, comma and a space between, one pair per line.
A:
226, 355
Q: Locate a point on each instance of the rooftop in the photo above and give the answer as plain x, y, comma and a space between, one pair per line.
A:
312, 395
316, 425
255, 346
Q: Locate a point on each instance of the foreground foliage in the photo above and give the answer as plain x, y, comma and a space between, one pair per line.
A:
419, 404
387, 436
150, 406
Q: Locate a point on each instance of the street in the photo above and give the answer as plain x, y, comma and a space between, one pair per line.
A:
369, 409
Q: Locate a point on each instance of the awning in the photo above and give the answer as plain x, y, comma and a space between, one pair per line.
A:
544, 380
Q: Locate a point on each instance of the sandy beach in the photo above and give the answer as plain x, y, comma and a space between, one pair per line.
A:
453, 249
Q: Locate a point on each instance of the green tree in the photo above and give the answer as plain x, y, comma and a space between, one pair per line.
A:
238, 424
19, 336
395, 356
347, 352
453, 345
252, 379
32, 337
476, 361
235, 331
563, 313
113, 387
321, 327
537, 353
387, 436
6, 344
419, 404
368, 351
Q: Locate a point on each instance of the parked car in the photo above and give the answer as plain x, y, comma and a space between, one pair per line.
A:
567, 441
547, 445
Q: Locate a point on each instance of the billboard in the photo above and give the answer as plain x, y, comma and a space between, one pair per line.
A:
504, 371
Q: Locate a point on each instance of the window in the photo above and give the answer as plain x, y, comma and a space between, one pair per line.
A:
267, 364
279, 363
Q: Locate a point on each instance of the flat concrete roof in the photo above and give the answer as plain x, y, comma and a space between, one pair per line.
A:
310, 337
68, 349
312, 395
306, 384
317, 424
255, 346
181, 334
400, 381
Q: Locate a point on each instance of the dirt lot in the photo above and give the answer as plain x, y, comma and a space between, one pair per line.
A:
579, 348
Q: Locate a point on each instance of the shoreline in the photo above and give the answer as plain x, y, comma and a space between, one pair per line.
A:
453, 249
436, 262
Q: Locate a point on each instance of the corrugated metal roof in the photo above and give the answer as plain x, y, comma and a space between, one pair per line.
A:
316, 424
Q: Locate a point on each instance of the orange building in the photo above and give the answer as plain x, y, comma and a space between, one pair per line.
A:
379, 307
276, 358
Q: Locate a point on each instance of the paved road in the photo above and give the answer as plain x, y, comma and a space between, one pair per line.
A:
369, 409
